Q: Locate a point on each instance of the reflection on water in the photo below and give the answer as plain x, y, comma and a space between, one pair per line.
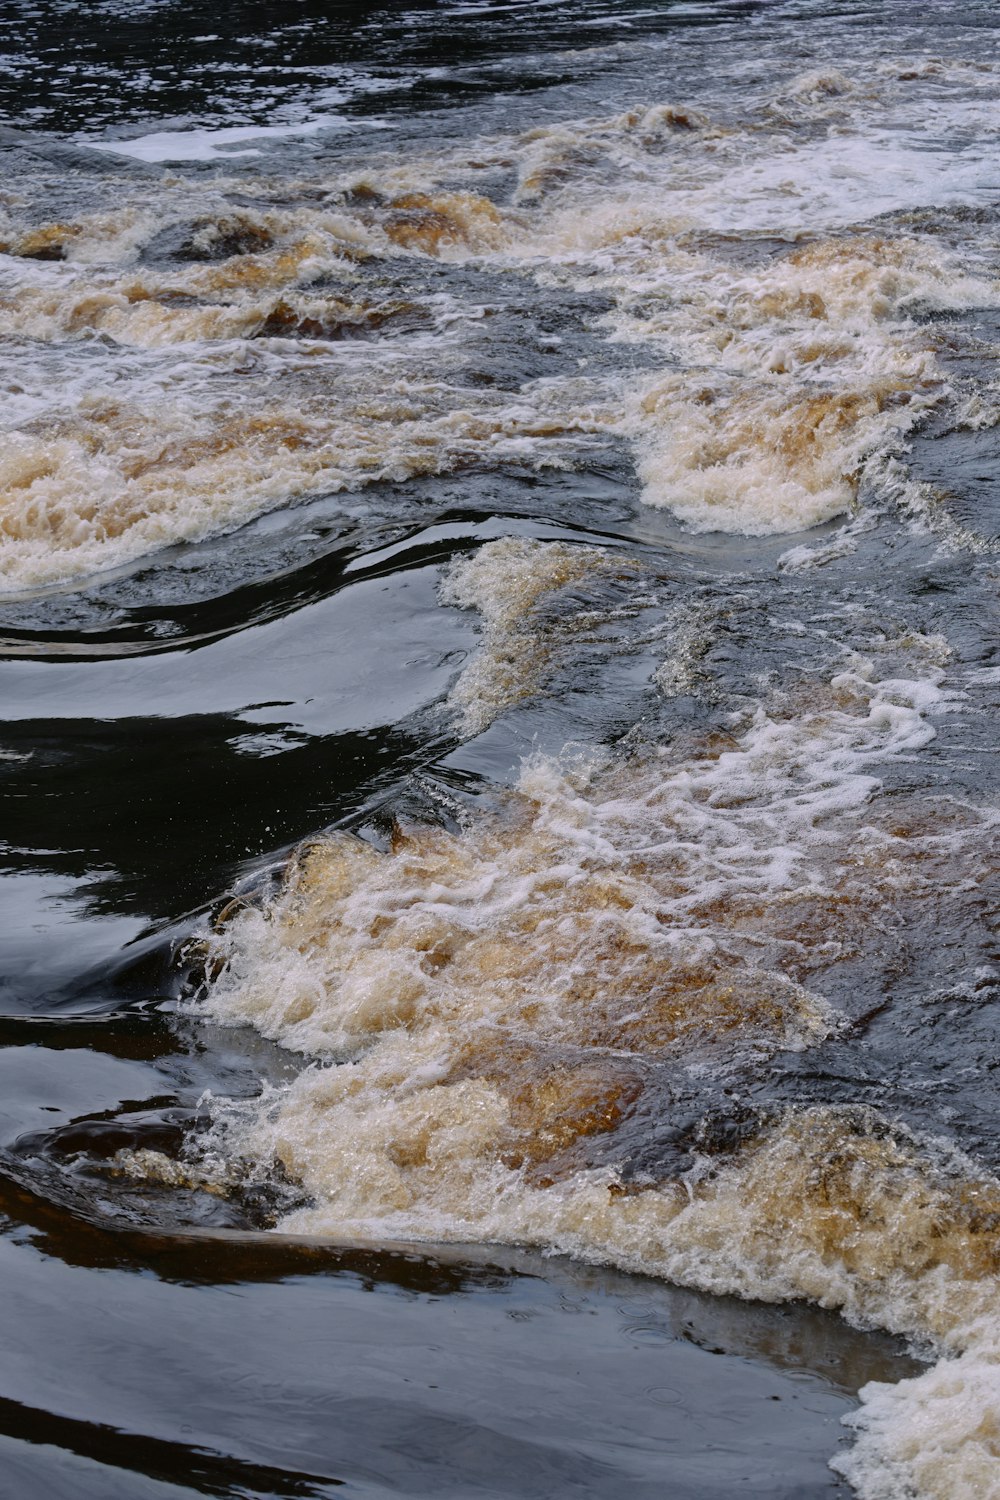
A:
401, 1374
499, 687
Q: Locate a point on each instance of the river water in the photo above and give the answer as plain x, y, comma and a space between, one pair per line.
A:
499, 689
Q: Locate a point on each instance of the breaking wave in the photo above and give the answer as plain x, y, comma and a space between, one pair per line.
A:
215, 361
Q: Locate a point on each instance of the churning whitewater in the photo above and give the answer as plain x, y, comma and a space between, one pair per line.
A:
624, 1002
301, 347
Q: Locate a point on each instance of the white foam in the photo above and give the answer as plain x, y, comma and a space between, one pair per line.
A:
689, 844
843, 181
775, 388
482, 1003
935, 1436
203, 144
506, 581
496, 990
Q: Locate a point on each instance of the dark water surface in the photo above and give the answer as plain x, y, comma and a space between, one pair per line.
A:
554, 447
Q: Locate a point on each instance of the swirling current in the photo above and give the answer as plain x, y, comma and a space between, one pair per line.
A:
499, 538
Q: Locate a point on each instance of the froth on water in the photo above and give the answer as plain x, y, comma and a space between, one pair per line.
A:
571, 1017
215, 347
499, 1025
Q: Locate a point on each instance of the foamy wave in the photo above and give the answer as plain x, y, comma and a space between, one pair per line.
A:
508, 581
667, 860
248, 398
775, 385
172, 453
937, 1435
797, 375
490, 1020
785, 382
803, 375
492, 1010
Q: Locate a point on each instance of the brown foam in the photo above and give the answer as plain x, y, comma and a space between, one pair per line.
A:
47, 242
515, 584
435, 223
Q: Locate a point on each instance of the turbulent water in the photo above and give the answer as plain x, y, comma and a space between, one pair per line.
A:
500, 545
